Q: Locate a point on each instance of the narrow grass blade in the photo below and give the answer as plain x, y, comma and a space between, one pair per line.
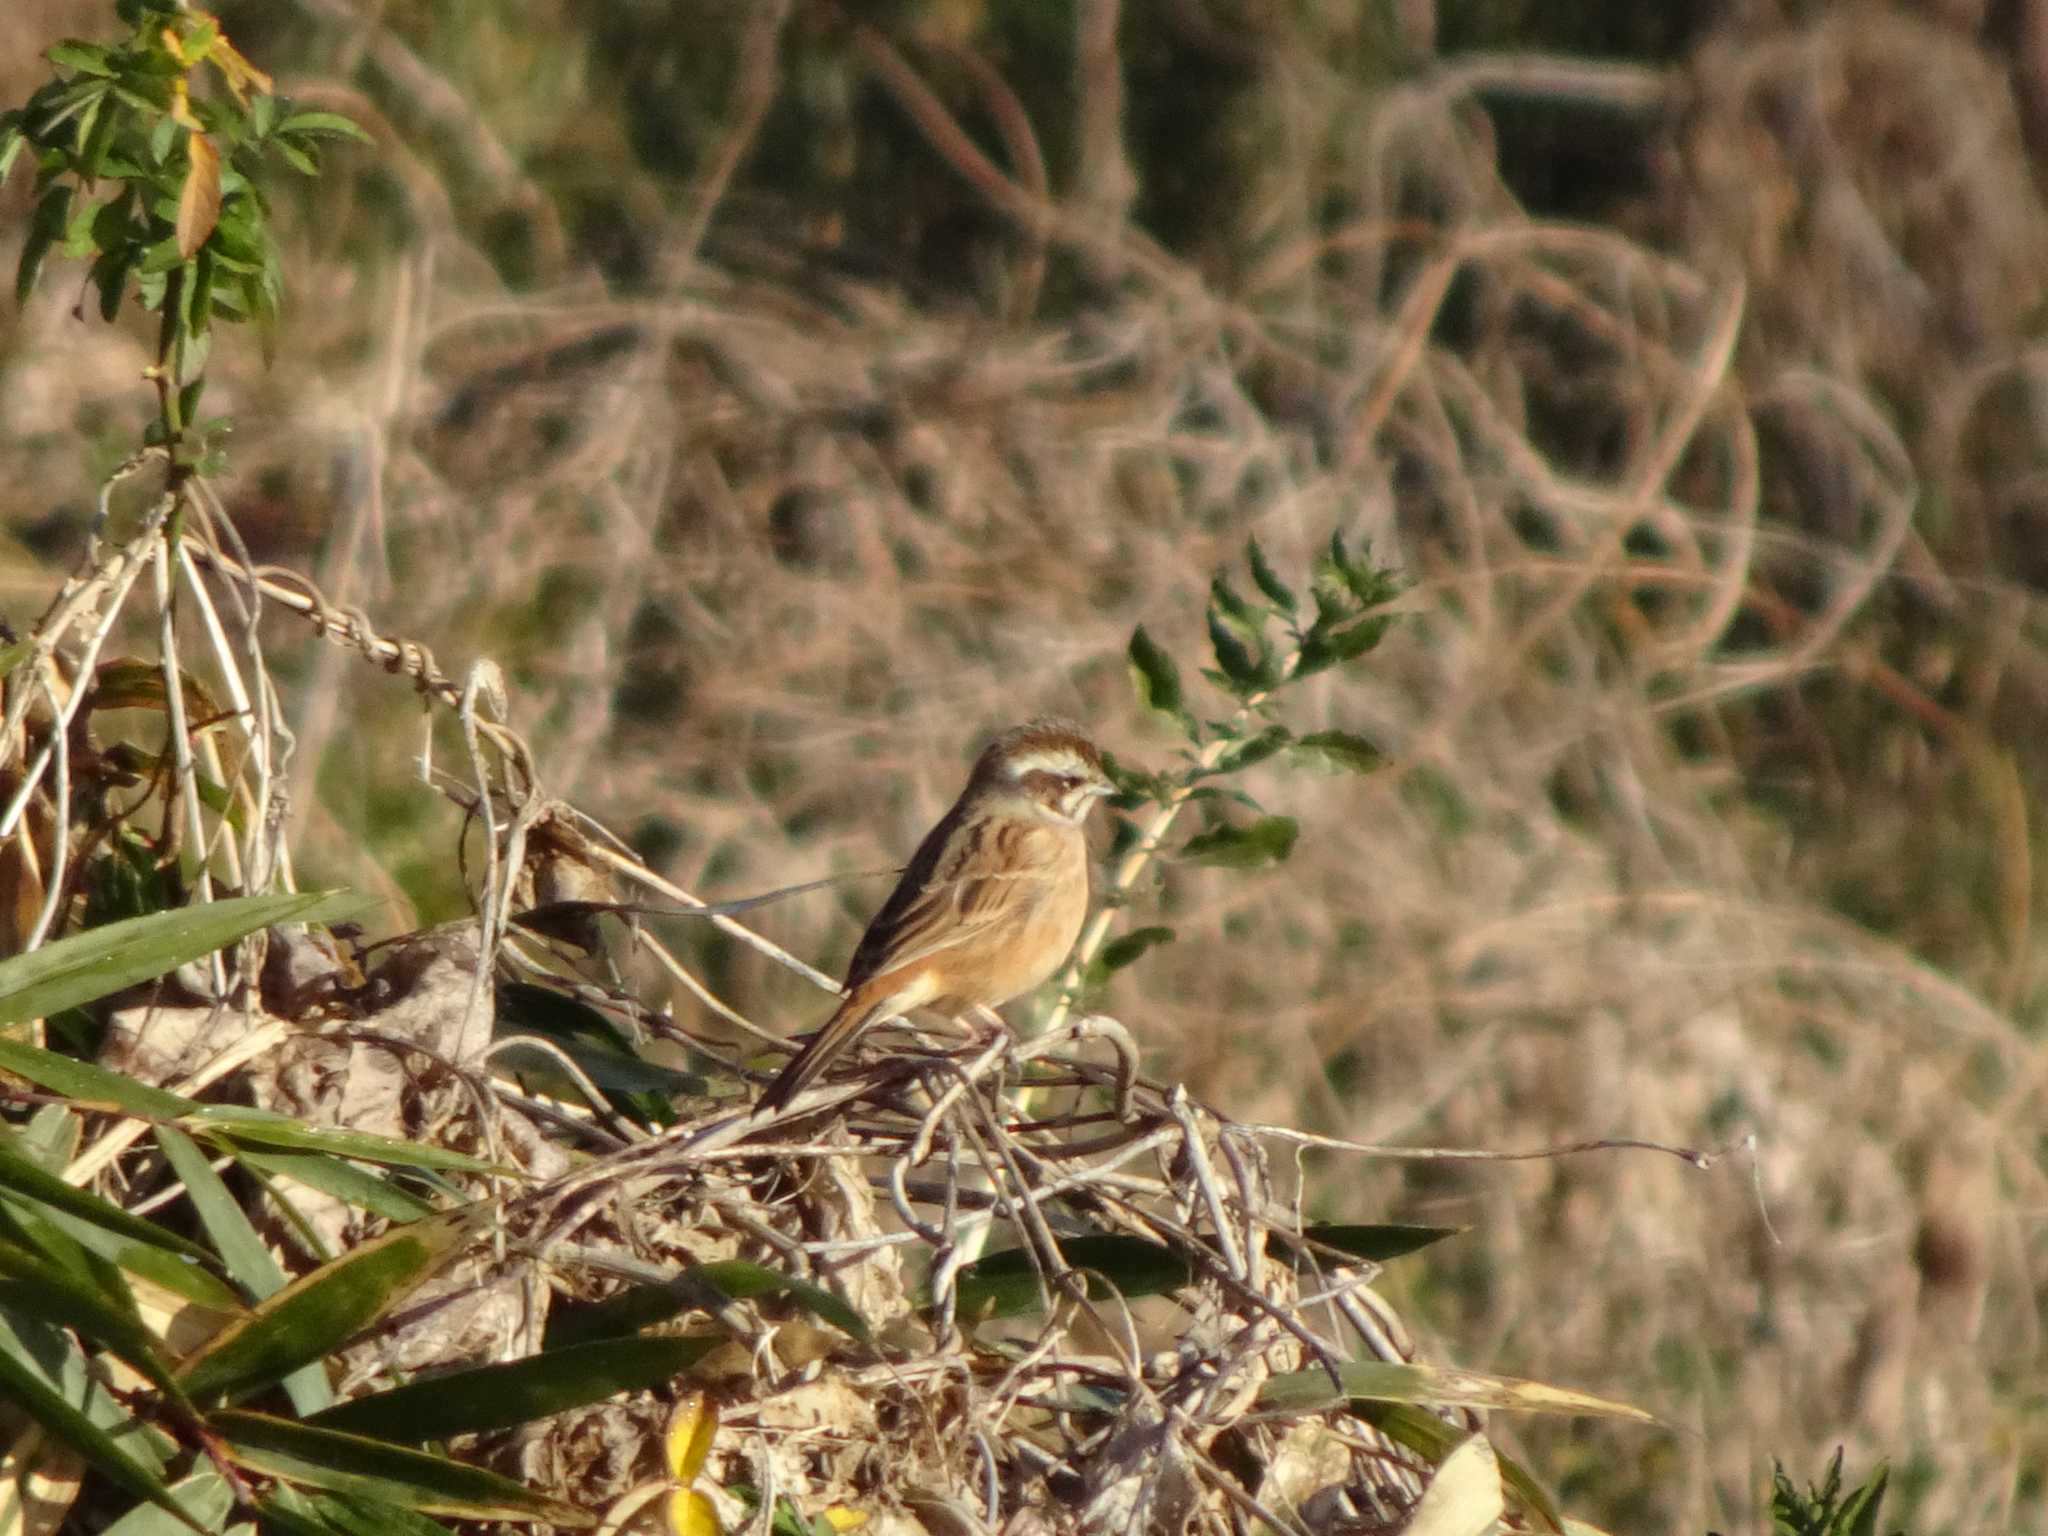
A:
519, 1391
89, 965
412, 1480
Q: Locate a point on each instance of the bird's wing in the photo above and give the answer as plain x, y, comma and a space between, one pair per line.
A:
956, 890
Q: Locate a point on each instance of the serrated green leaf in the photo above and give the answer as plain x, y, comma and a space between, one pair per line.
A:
1341, 749
1155, 676
354, 1464
1252, 749
1266, 841
1264, 578
317, 1312
520, 1391
89, 965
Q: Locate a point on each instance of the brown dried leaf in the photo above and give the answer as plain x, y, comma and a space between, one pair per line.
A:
199, 198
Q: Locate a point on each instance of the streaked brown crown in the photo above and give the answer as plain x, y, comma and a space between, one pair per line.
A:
1049, 760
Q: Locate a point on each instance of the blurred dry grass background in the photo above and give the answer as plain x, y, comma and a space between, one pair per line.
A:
785, 399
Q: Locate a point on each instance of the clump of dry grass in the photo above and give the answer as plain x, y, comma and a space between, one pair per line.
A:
1711, 722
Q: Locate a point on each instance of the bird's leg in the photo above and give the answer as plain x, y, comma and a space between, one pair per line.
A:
984, 1026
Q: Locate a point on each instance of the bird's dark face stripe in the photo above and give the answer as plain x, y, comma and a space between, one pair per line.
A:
1047, 787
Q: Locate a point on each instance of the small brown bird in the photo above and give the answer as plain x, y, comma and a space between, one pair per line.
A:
989, 905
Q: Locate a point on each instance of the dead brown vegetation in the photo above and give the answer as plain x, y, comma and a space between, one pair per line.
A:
1713, 721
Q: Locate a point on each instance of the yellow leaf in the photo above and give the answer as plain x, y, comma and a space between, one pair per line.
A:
844, 1517
199, 198
688, 1441
181, 107
690, 1513
237, 71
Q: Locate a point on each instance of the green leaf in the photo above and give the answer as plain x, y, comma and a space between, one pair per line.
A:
331, 125
1340, 749
110, 276
1252, 749
1266, 841
88, 1084
319, 1311
1267, 582
518, 1392
1240, 615
1122, 951
1323, 648
89, 965
352, 1464
373, 1192
1373, 585
46, 227
1243, 671
1858, 1516
11, 141
1156, 677
235, 1124
1374, 1241
642, 1306
32, 1286
30, 1392
24, 1178
643, 1089
1006, 1284
244, 1254
205, 1493
741, 1279
294, 1513
73, 53
304, 161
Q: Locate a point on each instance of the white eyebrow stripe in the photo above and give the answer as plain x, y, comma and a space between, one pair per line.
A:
1047, 762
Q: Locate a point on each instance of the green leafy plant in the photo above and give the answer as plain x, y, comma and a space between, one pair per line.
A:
148, 156
1262, 647
1824, 1509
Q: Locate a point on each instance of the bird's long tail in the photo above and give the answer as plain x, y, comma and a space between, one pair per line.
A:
852, 1017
